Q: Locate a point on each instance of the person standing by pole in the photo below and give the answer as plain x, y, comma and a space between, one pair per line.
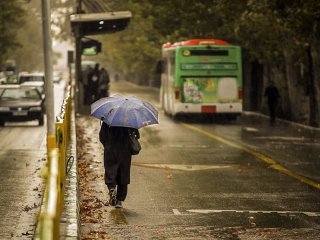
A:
86, 75
273, 96
103, 83
93, 81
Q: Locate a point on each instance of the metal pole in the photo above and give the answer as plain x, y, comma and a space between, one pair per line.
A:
47, 50
78, 74
78, 60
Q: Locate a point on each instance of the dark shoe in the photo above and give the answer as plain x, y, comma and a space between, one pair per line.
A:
119, 204
113, 197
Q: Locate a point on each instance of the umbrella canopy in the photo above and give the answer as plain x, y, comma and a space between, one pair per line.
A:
124, 111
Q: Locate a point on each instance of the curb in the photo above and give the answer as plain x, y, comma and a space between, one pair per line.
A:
70, 219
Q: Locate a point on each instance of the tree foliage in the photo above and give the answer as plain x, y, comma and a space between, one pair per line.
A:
11, 19
21, 31
60, 18
29, 55
135, 50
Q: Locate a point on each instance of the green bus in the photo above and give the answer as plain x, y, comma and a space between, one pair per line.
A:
202, 76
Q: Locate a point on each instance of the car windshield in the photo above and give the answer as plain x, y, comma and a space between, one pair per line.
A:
31, 79
20, 93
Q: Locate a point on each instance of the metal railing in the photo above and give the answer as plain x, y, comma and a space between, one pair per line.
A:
55, 174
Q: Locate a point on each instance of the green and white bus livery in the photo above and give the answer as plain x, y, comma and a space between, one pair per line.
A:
201, 76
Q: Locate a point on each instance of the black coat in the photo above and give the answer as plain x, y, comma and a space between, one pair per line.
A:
272, 94
117, 154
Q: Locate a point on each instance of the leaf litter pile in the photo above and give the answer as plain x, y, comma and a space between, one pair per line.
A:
93, 196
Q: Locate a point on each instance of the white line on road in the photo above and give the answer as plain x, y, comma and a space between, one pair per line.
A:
207, 211
176, 212
183, 166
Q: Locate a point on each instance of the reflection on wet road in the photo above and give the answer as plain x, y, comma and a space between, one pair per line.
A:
272, 164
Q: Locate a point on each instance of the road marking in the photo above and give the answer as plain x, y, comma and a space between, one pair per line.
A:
273, 164
283, 138
208, 211
176, 212
182, 167
249, 129
184, 146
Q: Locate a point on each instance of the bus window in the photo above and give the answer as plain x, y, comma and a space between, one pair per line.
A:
207, 53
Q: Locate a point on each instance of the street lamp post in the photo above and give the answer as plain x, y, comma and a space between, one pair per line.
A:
47, 50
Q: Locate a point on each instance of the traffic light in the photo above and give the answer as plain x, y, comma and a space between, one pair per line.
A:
85, 24
90, 47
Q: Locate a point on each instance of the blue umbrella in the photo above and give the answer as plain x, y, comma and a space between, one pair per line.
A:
124, 111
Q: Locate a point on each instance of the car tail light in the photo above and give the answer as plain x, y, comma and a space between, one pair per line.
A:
177, 93
240, 93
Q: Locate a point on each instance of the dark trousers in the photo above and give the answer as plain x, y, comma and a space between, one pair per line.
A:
122, 191
117, 171
272, 110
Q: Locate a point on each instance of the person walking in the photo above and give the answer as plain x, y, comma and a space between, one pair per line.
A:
103, 90
273, 96
117, 161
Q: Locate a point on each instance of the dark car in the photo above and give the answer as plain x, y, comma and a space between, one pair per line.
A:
21, 103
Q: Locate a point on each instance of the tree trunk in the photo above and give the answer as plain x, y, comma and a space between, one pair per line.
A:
296, 92
314, 62
289, 78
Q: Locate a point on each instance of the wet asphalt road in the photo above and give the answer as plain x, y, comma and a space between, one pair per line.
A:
22, 156
211, 179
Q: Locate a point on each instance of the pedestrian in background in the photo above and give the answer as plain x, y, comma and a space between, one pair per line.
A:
273, 96
94, 83
85, 81
117, 161
103, 90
